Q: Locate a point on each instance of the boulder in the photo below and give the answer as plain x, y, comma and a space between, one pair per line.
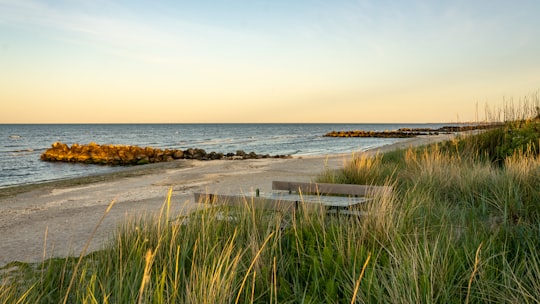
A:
179, 154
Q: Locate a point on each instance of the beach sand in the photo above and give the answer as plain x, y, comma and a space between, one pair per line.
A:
57, 219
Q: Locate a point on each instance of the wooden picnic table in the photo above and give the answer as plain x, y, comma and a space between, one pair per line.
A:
336, 198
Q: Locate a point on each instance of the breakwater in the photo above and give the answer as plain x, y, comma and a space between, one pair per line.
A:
123, 155
410, 132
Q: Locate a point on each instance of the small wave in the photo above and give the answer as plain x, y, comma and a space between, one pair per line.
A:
12, 146
22, 151
208, 141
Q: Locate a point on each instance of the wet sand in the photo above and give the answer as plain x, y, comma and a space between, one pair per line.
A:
56, 219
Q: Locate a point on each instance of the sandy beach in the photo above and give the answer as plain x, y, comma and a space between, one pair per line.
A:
56, 219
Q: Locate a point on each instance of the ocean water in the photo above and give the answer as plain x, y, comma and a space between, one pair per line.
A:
21, 145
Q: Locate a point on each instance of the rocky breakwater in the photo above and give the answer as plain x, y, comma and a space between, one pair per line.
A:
379, 134
410, 132
119, 155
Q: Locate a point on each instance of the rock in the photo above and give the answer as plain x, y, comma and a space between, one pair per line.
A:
178, 154
133, 155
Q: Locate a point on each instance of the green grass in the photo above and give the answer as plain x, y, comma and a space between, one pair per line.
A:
460, 227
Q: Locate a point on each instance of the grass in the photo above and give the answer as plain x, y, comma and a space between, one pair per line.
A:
461, 226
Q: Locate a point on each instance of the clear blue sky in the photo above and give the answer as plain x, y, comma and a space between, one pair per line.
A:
264, 61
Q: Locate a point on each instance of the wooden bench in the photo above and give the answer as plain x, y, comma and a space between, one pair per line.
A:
286, 196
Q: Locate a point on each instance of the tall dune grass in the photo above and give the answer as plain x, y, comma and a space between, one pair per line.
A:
460, 227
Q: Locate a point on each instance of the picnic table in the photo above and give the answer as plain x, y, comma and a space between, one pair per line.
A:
287, 196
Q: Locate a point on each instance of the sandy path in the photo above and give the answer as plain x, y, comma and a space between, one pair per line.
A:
56, 220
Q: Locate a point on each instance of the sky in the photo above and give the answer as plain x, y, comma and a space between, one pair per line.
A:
294, 61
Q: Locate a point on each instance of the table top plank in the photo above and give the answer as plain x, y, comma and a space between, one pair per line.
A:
282, 196
326, 188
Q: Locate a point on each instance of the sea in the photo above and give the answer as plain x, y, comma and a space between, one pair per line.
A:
21, 145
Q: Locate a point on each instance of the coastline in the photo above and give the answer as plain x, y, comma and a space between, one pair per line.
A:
56, 219
93, 178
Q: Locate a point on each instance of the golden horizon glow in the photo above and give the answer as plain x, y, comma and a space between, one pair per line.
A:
345, 61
